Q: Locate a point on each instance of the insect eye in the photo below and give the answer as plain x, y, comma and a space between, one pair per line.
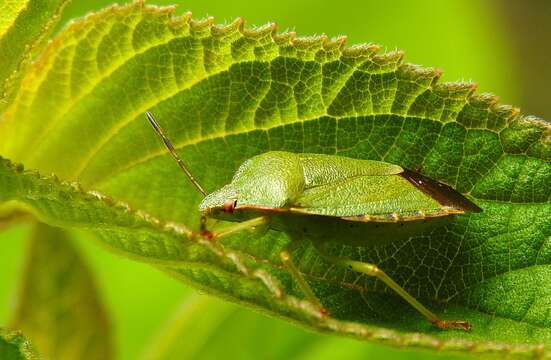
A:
229, 205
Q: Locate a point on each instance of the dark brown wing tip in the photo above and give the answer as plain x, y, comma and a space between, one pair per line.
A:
444, 194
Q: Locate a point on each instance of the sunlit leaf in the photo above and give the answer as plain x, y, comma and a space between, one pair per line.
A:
24, 25
225, 93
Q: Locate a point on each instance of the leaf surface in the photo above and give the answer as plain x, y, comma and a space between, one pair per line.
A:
225, 93
24, 25
59, 307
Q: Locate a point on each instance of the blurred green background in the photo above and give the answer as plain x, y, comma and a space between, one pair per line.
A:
501, 45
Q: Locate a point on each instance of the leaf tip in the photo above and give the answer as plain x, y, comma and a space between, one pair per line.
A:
339, 41
284, 37
310, 43
361, 50
259, 32
201, 24
239, 23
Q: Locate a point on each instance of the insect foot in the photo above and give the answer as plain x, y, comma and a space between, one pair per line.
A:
324, 312
453, 325
204, 232
207, 235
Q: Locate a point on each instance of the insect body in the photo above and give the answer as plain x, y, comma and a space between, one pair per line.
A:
328, 198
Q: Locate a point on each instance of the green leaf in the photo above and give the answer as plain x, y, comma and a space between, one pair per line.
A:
225, 93
14, 346
59, 307
24, 26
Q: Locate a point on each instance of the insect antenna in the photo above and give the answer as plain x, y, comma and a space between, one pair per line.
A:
172, 152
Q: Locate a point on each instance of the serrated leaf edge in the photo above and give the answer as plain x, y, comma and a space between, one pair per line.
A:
309, 47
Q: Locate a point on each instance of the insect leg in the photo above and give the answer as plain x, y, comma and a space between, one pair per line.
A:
373, 270
245, 225
287, 261
238, 227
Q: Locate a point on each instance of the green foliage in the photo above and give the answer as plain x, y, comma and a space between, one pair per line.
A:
224, 94
59, 307
24, 26
14, 346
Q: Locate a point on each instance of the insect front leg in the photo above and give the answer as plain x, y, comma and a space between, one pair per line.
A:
255, 223
373, 270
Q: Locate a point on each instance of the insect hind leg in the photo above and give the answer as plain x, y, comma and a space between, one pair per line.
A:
373, 270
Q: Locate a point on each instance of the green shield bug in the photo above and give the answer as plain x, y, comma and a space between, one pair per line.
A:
329, 198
